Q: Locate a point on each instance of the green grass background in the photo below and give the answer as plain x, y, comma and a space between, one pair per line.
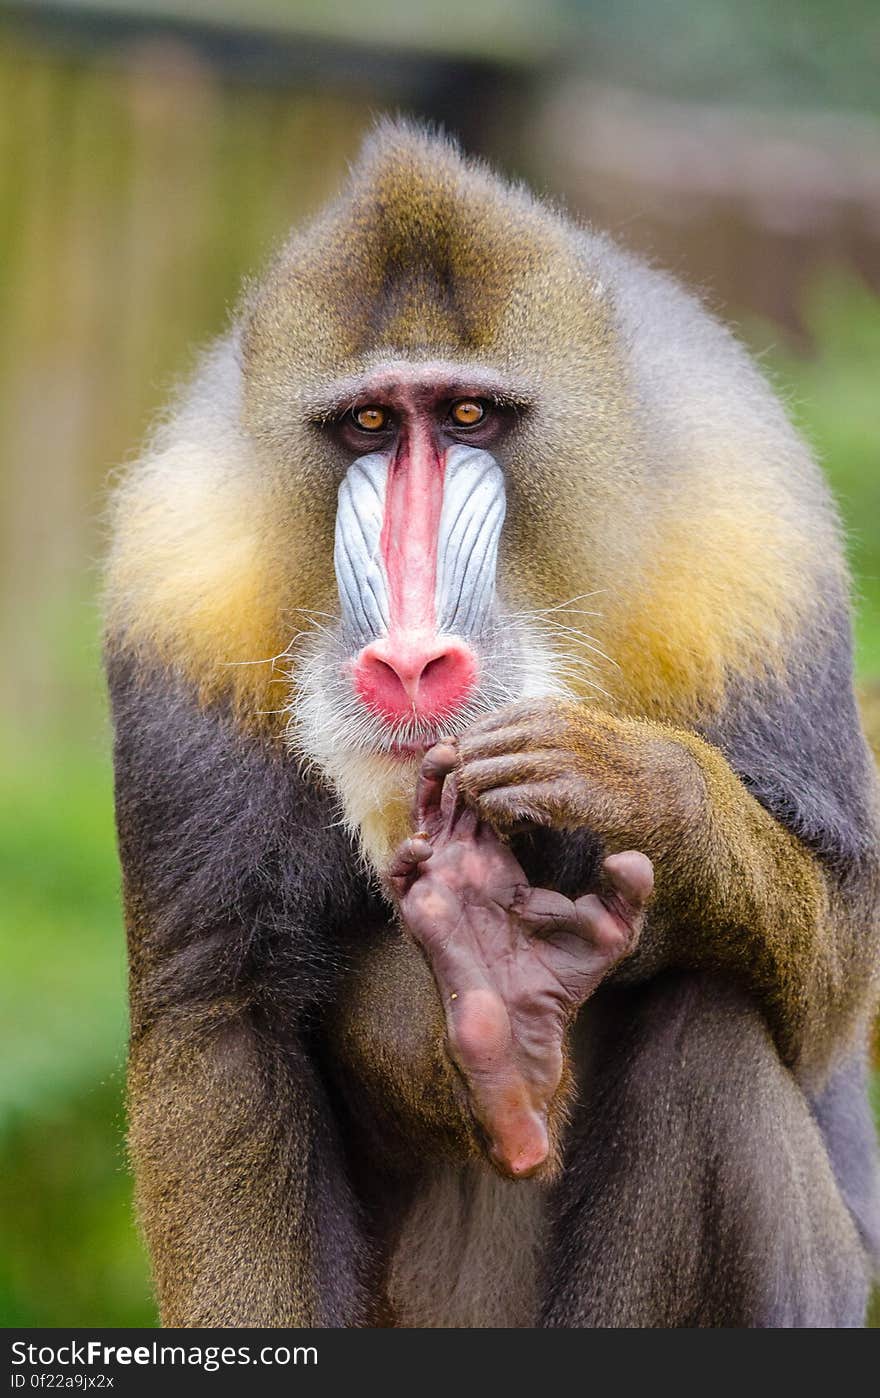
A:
70, 1254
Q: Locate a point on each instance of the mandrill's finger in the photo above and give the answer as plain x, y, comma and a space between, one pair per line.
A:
406, 861
613, 917
545, 910
510, 769
478, 743
437, 763
521, 711
629, 882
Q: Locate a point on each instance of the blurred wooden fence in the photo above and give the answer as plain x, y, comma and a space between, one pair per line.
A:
134, 197
136, 191
750, 206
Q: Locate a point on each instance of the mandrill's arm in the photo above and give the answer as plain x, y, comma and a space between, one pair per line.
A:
735, 889
241, 1192
231, 882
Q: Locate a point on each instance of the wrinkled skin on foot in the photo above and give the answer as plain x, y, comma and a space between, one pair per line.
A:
512, 963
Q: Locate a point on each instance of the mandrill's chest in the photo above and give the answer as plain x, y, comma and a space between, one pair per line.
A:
470, 1252
467, 1248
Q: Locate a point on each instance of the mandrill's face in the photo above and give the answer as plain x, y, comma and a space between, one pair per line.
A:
434, 396
422, 640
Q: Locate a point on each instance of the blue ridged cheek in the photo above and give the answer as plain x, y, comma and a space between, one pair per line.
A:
474, 505
471, 517
360, 576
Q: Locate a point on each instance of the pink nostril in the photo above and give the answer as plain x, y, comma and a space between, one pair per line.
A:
399, 677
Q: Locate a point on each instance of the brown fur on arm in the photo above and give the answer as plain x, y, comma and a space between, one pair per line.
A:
225, 1136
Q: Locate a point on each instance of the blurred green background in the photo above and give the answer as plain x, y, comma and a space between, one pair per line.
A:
152, 155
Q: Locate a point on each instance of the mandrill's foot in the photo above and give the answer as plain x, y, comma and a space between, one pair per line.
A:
512, 963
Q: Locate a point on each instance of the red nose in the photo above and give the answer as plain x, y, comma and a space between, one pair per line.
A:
403, 677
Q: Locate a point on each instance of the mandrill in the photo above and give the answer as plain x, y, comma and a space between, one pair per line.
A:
500, 843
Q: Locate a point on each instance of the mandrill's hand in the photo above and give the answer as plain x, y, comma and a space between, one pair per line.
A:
571, 767
512, 963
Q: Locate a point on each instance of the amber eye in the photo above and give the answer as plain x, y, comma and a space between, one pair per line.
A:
467, 412
370, 419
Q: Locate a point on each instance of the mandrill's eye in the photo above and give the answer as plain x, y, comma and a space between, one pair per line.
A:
467, 412
371, 418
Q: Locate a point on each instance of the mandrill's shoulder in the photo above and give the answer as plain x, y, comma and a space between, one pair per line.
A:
704, 401
741, 566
